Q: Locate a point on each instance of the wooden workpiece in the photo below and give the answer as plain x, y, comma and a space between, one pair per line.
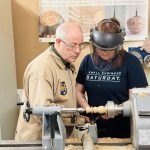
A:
100, 110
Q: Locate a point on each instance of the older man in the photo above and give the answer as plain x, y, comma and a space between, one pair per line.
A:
50, 78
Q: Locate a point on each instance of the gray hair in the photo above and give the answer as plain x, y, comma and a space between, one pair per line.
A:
60, 32
63, 29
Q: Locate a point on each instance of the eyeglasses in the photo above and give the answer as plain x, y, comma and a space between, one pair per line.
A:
74, 45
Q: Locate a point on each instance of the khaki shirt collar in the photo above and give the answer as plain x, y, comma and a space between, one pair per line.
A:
59, 60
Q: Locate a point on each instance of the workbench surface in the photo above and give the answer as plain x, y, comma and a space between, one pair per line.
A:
103, 144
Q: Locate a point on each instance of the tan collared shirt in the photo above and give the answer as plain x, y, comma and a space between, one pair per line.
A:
46, 81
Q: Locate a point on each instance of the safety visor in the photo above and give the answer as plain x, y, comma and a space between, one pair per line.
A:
106, 41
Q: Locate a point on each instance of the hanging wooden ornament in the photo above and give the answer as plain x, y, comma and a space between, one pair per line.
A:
135, 24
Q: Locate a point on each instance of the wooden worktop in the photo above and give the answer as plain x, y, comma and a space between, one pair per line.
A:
72, 144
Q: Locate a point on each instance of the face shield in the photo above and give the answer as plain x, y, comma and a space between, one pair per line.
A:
106, 41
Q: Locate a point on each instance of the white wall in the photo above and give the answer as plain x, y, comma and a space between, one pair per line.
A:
8, 108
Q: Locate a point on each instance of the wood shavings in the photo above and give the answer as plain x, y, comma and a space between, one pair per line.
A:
114, 140
99, 147
72, 147
127, 147
73, 140
103, 144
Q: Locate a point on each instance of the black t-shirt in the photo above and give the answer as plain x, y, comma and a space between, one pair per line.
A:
112, 85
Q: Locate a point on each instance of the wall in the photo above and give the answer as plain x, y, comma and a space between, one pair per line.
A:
25, 27
8, 84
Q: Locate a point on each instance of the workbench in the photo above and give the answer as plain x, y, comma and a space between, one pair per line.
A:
103, 144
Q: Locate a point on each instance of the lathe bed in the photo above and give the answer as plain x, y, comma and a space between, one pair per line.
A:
71, 144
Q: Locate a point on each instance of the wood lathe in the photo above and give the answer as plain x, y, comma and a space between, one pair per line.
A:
54, 132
